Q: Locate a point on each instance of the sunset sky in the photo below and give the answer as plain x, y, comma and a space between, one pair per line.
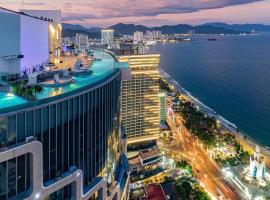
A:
104, 13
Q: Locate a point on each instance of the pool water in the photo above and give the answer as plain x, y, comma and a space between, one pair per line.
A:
9, 100
100, 69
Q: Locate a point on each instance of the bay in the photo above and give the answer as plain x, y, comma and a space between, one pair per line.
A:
230, 75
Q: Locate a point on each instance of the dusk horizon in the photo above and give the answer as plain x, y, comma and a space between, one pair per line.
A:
103, 14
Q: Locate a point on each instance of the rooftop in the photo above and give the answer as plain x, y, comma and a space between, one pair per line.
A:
154, 192
150, 153
25, 14
104, 66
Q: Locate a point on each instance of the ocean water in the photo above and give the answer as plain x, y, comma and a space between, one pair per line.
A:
230, 75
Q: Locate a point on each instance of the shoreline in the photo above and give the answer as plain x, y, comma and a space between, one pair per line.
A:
245, 140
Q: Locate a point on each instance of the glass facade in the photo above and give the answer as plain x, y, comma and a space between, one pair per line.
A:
75, 131
140, 104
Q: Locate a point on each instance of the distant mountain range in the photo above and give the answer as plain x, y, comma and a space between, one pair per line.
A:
129, 29
70, 30
242, 27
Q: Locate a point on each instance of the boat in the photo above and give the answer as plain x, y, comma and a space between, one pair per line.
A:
212, 39
187, 39
151, 43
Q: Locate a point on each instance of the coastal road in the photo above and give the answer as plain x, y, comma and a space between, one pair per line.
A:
205, 168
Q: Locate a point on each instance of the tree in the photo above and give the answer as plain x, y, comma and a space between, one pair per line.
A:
38, 89
183, 190
15, 87
182, 164
200, 194
29, 92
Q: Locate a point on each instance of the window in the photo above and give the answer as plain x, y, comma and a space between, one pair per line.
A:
3, 129
11, 130
29, 124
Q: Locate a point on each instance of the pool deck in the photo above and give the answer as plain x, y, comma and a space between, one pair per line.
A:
102, 69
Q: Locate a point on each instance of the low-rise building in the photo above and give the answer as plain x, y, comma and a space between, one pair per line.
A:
149, 157
154, 192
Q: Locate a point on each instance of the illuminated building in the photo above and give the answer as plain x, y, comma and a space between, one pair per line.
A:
67, 142
163, 107
155, 34
82, 41
107, 38
137, 37
55, 31
140, 107
29, 40
257, 165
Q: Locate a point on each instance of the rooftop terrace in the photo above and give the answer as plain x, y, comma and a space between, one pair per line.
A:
105, 66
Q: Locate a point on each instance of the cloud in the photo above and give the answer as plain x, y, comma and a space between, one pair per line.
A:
102, 9
81, 11
34, 4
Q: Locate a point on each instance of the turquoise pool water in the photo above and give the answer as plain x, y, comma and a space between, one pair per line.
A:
9, 100
106, 66
100, 70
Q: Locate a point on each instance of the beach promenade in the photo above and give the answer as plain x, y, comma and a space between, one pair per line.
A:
247, 143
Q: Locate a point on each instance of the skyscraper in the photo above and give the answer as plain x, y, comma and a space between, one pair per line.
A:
82, 41
137, 37
67, 141
140, 106
65, 144
107, 37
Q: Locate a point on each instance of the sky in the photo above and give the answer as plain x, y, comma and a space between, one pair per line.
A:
103, 13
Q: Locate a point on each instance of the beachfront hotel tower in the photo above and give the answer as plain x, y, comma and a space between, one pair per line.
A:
66, 141
140, 106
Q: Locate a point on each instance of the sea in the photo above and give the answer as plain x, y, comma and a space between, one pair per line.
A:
230, 75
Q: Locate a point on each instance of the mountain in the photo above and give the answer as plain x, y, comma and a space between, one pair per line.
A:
128, 29
70, 30
241, 27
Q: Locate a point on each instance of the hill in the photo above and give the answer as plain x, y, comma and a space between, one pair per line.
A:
128, 29
70, 30
241, 27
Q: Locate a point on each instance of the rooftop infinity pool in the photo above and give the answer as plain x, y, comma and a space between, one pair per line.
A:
101, 68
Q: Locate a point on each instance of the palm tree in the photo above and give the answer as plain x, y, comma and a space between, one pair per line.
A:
15, 87
29, 93
38, 89
22, 90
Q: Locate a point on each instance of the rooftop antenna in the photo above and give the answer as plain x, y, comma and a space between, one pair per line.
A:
22, 5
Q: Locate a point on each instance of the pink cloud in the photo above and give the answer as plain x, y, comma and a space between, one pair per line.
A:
151, 12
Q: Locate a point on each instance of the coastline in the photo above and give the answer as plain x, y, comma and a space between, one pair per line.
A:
244, 139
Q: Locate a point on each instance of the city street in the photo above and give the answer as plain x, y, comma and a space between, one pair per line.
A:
205, 169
